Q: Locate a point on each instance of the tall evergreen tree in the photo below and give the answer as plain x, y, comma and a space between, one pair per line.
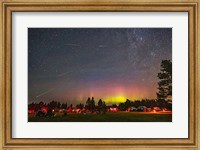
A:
104, 108
92, 104
100, 104
165, 80
87, 104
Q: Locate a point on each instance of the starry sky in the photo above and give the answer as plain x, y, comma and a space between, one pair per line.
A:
114, 64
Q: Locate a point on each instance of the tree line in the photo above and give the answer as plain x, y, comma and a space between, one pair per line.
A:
101, 105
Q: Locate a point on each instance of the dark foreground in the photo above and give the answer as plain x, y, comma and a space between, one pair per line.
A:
108, 117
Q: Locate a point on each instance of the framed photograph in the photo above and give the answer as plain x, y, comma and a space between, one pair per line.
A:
107, 75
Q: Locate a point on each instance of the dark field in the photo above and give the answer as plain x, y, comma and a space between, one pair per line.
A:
108, 117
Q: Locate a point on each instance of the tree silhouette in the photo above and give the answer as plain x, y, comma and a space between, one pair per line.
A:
80, 106
87, 105
127, 104
92, 104
64, 106
41, 104
122, 107
100, 104
104, 108
58, 105
165, 77
53, 104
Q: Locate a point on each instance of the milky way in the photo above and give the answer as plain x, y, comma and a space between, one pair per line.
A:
72, 64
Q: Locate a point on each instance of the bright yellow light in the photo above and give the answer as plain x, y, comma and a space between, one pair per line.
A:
117, 99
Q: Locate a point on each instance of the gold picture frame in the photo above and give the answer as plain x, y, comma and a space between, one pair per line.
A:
9, 6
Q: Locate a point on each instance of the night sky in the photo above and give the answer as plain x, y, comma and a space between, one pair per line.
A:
114, 64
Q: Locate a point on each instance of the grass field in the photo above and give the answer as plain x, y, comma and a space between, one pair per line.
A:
108, 117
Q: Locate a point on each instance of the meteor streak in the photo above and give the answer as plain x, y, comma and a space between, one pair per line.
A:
45, 92
63, 74
73, 45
